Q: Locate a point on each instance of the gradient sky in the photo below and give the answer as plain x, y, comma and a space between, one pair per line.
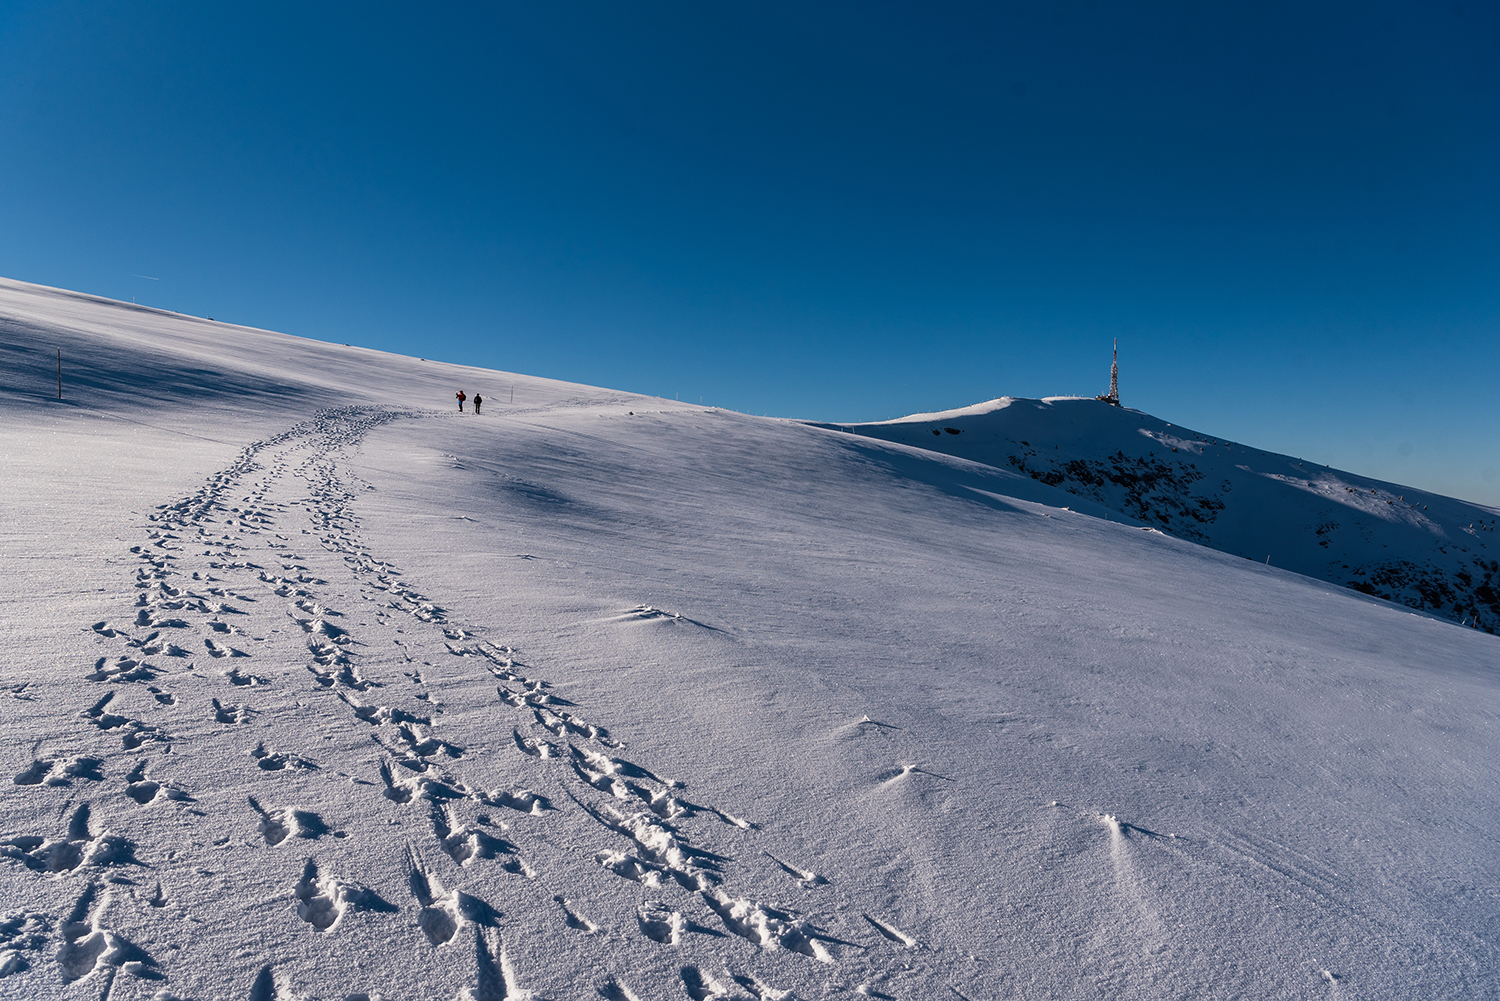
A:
1289, 213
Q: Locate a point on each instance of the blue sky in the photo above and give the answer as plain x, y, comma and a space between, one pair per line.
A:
1289, 213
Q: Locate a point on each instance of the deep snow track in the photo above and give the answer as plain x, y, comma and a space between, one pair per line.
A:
262, 621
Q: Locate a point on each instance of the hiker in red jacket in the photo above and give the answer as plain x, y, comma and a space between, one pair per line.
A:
461, 399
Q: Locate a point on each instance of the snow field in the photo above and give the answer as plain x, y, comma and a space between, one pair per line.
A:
598, 696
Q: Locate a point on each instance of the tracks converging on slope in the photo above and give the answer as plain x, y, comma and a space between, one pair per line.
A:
257, 597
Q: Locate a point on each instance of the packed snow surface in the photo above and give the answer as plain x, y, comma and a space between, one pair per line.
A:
314, 687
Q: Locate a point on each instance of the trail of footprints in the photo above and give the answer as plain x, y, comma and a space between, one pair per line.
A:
212, 572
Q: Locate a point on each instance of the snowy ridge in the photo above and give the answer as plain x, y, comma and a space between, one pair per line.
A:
316, 688
1428, 552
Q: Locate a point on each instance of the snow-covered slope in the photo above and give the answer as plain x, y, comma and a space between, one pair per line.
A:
314, 688
1423, 550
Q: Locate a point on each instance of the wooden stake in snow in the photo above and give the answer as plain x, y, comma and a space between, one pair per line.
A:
59, 373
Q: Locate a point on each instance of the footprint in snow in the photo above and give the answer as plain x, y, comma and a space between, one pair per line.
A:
60, 771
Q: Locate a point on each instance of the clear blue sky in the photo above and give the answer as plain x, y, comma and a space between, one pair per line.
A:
1289, 213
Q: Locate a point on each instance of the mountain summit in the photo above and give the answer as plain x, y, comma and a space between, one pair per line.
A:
1426, 551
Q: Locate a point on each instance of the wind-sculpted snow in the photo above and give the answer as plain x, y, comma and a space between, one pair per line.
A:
269, 553
594, 696
1428, 552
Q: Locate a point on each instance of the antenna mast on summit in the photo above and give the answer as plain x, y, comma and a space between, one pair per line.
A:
1114, 379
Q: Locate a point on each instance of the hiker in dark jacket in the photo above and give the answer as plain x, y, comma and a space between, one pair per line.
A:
477, 401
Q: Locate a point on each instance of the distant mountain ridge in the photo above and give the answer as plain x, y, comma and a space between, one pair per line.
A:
1426, 551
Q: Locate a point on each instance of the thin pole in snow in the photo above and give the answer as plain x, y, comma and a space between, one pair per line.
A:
59, 373
512, 392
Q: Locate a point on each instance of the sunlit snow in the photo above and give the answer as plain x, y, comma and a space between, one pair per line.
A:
314, 687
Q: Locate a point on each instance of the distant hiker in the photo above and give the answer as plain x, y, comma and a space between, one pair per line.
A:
461, 399
477, 401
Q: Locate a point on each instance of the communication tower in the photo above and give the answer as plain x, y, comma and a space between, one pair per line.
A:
1113, 399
